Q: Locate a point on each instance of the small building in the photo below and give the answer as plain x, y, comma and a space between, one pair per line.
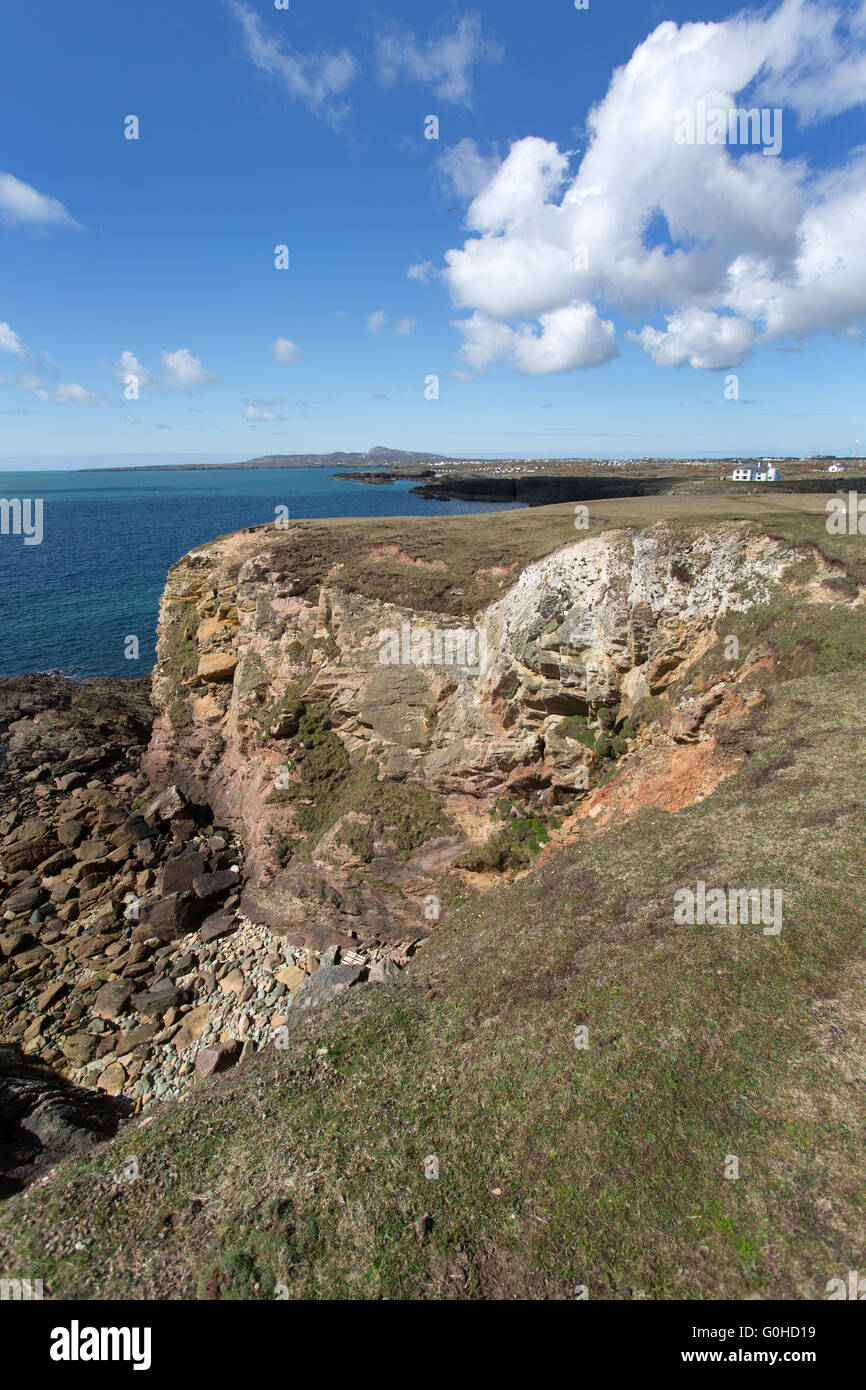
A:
764, 473
836, 468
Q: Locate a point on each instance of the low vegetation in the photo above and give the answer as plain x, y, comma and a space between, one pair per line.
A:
325, 786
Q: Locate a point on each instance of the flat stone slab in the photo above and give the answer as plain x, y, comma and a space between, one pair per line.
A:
327, 983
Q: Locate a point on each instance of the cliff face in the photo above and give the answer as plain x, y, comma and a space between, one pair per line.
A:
366, 752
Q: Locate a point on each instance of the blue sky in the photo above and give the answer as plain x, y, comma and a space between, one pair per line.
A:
306, 127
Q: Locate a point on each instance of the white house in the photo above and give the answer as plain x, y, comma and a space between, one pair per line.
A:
836, 468
765, 473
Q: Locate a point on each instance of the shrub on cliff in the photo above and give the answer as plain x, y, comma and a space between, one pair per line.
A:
179, 654
512, 847
359, 839
575, 728
180, 716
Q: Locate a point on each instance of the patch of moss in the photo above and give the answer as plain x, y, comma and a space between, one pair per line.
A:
290, 704
327, 647
575, 728
327, 787
180, 716
359, 839
512, 847
178, 651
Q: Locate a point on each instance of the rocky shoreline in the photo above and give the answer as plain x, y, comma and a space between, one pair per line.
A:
127, 970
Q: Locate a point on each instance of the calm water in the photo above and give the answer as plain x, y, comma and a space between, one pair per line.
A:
108, 539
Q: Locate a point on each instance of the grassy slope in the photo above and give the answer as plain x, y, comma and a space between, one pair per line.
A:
307, 1167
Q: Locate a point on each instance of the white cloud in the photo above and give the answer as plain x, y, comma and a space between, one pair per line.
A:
254, 408
20, 205
64, 393
700, 338
185, 371
404, 326
129, 365
571, 337
377, 321
312, 78
422, 271
132, 419
10, 342
485, 340
252, 412
445, 62
464, 169
728, 247
284, 350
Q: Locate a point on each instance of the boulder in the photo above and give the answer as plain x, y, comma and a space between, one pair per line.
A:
327, 983
233, 982
170, 917
191, 1026
79, 1048
90, 850
51, 995
154, 1002
217, 666
113, 1079
24, 900
166, 804
180, 873
384, 972
113, 998
137, 1037
210, 886
291, 977
26, 852
216, 1059
217, 925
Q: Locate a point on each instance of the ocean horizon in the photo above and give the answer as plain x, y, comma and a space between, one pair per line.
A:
71, 601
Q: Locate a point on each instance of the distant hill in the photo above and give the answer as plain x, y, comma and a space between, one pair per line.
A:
379, 454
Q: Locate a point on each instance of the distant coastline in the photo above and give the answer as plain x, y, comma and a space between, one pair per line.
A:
379, 456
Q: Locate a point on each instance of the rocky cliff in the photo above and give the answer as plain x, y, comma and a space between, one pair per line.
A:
366, 751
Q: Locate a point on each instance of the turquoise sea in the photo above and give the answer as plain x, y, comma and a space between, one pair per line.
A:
68, 603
